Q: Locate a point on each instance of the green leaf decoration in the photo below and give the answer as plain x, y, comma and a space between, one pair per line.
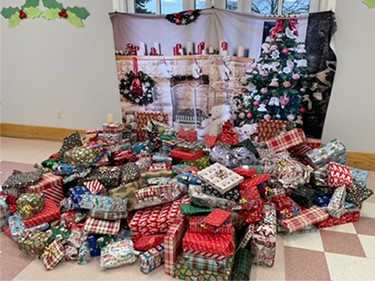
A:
9, 12
74, 20
33, 12
52, 4
370, 3
82, 13
30, 3
51, 14
14, 20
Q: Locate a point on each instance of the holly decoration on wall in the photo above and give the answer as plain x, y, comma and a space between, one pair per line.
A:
137, 87
184, 17
275, 86
55, 10
370, 3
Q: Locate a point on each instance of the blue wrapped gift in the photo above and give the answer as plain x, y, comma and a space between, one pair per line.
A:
94, 248
332, 151
76, 193
359, 176
152, 259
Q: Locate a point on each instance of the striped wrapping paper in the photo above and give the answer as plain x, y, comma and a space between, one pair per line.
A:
50, 185
94, 186
286, 140
173, 243
50, 212
98, 226
305, 218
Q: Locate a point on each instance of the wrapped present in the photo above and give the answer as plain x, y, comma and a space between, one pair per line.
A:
303, 196
83, 156
233, 194
64, 169
147, 242
143, 118
76, 193
189, 177
215, 220
111, 216
130, 172
306, 217
286, 140
196, 261
248, 234
243, 261
71, 253
250, 207
220, 244
220, 177
298, 152
285, 207
113, 127
173, 243
307, 229
11, 202
359, 176
268, 129
157, 166
345, 218
17, 226
33, 243
179, 153
200, 163
49, 213
60, 232
263, 241
338, 175
143, 164
53, 254
320, 175
74, 238
94, 244
357, 194
183, 168
152, 259
107, 176
194, 225
158, 181
155, 219
245, 171
336, 205
182, 271
156, 174
332, 151
190, 209
127, 191
73, 140
99, 226
72, 220
199, 198
16, 183
4, 213
50, 185
190, 146
94, 186
103, 203
254, 181
84, 254
189, 135
228, 134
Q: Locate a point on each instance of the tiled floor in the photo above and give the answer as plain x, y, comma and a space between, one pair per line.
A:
345, 252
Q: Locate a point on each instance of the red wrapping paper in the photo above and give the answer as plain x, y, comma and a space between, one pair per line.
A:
188, 135
51, 186
338, 175
286, 140
345, 218
251, 205
194, 227
219, 244
246, 172
254, 181
50, 212
228, 134
173, 243
187, 155
11, 202
148, 242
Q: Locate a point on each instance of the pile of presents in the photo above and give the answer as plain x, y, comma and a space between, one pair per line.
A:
205, 209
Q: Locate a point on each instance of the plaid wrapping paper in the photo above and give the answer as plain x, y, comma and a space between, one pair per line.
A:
4, 214
305, 218
243, 261
152, 259
103, 203
73, 140
359, 176
194, 227
111, 216
99, 226
179, 153
142, 120
195, 261
345, 218
50, 212
254, 181
269, 129
173, 243
183, 272
113, 127
247, 236
233, 194
308, 229
94, 186
332, 151
53, 254
50, 185
156, 219
338, 175
220, 177
286, 140
154, 190
218, 243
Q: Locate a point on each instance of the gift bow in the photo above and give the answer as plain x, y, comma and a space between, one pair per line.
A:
48, 251
27, 209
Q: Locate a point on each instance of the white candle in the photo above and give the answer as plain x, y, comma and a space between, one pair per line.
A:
142, 47
181, 51
157, 48
211, 50
109, 118
241, 51
189, 48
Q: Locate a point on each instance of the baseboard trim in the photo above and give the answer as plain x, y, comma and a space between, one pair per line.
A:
35, 132
361, 160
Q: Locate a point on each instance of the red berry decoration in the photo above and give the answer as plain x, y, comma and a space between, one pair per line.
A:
21, 14
302, 110
63, 13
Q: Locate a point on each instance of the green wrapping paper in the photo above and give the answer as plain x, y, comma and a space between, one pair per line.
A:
189, 209
243, 261
84, 254
28, 204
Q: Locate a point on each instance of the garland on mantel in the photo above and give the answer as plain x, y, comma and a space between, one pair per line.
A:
55, 10
184, 17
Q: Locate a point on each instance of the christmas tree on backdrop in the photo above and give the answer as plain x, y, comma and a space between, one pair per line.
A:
276, 86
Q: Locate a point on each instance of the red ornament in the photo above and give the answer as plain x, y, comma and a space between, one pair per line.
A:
244, 90
249, 115
302, 110
256, 103
285, 51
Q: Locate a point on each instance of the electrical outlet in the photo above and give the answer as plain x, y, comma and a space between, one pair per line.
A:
59, 114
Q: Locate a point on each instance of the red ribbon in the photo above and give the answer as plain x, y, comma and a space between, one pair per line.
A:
136, 86
292, 26
135, 65
277, 28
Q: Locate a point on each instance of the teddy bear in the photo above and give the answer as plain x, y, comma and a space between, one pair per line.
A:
212, 125
246, 131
